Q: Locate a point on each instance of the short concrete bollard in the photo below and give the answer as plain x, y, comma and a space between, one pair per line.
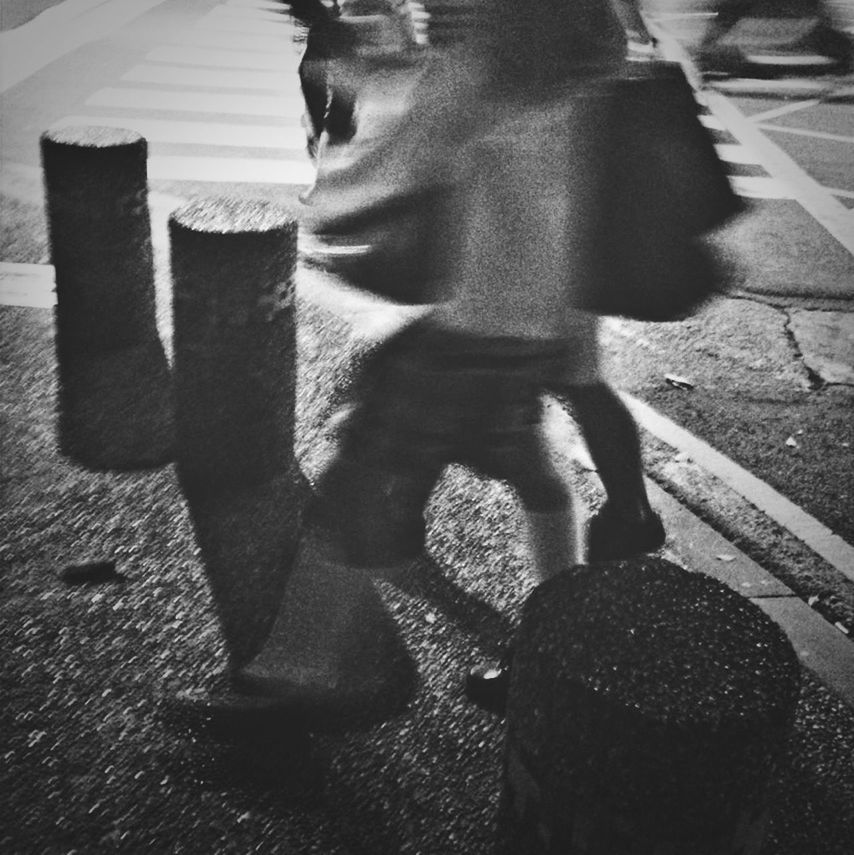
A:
233, 266
648, 711
115, 407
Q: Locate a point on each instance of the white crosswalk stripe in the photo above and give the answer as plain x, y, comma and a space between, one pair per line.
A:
236, 64
131, 98
759, 187
233, 41
283, 62
735, 155
238, 170
281, 137
244, 23
171, 75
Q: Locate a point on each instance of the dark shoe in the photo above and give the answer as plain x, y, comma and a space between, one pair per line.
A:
487, 684
611, 537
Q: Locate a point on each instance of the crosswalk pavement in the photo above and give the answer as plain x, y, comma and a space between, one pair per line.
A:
220, 102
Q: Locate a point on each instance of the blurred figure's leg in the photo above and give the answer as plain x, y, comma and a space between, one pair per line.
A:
626, 525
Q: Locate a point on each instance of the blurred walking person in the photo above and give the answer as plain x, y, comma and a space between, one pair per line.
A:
507, 123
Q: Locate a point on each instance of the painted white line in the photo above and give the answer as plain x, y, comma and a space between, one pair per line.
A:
287, 61
255, 4
759, 187
831, 547
713, 123
34, 45
273, 26
275, 12
734, 153
171, 75
814, 198
845, 194
803, 132
786, 88
196, 102
30, 285
213, 38
679, 16
281, 138
232, 170
785, 110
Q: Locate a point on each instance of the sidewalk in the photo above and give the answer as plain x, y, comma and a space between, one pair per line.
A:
90, 763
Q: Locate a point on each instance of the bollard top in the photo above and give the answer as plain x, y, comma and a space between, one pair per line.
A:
649, 635
93, 136
228, 215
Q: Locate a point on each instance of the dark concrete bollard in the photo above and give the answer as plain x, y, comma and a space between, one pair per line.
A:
115, 407
648, 712
233, 266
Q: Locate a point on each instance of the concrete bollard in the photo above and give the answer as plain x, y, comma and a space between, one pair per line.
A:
649, 708
233, 266
115, 407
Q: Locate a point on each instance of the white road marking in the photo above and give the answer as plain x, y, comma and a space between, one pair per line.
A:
233, 170
785, 110
30, 285
196, 102
282, 61
254, 4
734, 153
273, 25
275, 12
216, 39
814, 198
279, 137
171, 75
818, 537
803, 132
60, 30
712, 122
759, 187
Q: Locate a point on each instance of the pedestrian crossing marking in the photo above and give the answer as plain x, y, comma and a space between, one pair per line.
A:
172, 75
819, 135
283, 61
243, 24
711, 122
735, 153
232, 170
215, 38
196, 102
759, 187
254, 4
247, 13
284, 137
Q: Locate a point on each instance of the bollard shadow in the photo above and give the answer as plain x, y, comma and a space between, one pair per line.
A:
248, 539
